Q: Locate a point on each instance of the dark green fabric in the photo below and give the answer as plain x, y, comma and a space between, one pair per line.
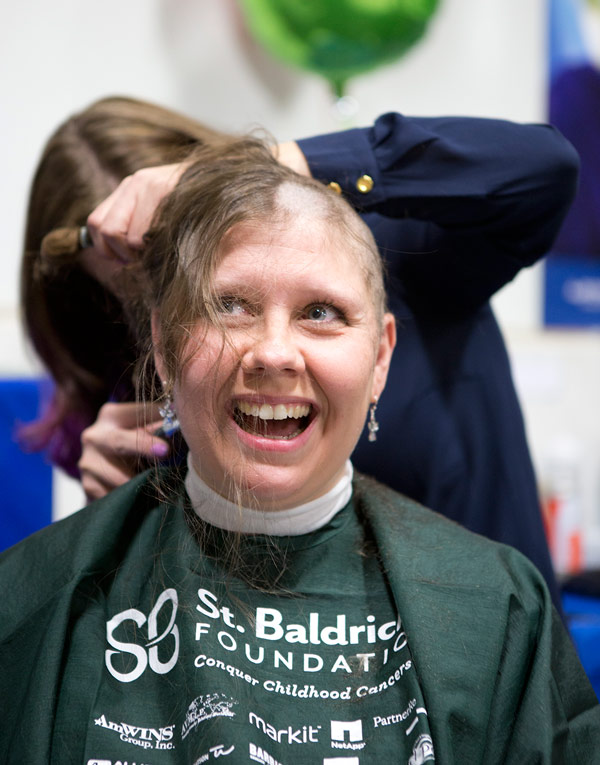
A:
488, 670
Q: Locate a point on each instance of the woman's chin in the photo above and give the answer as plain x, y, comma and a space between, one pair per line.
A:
274, 488
271, 491
271, 488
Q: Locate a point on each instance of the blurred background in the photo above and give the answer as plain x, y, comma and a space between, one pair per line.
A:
225, 63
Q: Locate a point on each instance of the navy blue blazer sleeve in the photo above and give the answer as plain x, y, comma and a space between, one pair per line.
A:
474, 200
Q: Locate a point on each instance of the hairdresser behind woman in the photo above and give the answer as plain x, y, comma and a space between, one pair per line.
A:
263, 602
457, 206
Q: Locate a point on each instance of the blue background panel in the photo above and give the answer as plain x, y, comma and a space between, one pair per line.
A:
583, 618
572, 291
26, 503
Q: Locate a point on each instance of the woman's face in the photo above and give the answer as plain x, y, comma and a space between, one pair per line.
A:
279, 406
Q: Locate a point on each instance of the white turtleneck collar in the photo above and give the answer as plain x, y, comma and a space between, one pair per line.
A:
218, 511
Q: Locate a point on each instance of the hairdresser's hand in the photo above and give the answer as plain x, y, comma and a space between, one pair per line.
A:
117, 226
290, 155
114, 444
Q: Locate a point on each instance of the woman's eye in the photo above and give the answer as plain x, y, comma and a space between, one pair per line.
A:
322, 312
233, 306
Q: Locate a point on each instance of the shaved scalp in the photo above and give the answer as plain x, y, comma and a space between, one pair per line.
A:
316, 202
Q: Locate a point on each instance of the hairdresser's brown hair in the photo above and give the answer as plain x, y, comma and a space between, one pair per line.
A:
220, 190
76, 326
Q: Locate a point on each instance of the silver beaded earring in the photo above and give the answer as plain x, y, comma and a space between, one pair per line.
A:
167, 412
373, 425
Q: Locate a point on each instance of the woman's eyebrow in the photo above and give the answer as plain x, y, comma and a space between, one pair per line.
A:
237, 288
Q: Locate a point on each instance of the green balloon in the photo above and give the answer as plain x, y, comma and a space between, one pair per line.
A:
337, 38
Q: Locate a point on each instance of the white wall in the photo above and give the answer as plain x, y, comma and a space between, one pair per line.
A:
481, 57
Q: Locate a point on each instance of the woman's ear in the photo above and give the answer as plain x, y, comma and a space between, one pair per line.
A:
387, 341
159, 361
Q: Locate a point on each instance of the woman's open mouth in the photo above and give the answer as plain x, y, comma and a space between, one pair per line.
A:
276, 421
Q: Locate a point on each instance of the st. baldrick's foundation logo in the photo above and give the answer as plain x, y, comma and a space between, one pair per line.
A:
129, 660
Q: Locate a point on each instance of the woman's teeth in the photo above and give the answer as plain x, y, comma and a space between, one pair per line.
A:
281, 421
277, 412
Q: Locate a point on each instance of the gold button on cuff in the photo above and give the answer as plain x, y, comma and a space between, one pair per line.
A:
335, 186
364, 184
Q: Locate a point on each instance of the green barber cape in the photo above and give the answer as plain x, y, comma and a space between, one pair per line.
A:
390, 635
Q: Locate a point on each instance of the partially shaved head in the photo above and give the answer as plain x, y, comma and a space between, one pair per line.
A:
242, 184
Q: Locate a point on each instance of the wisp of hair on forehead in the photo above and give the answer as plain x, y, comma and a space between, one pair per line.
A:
243, 183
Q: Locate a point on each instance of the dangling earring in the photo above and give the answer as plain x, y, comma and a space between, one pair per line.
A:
167, 412
373, 425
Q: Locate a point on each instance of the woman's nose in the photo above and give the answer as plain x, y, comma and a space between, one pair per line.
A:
275, 349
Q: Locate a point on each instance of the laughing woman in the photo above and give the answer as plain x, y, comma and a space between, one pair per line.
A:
263, 604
